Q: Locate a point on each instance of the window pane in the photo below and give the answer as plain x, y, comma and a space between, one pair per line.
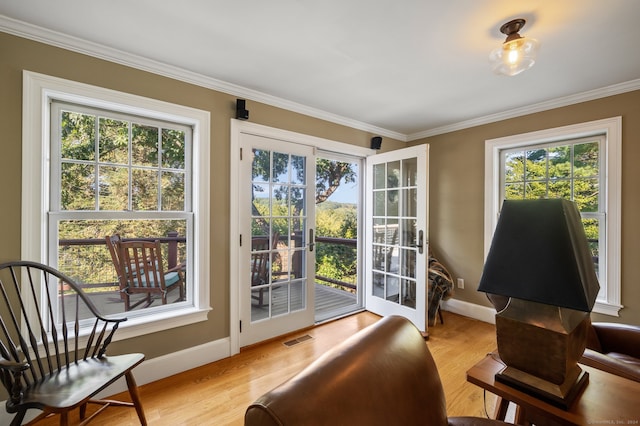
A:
409, 237
114, 188
560, 162
77, 136
392, 202
280, 167
297, 200
535, 190
586, 194
409, 172
297, 170
536, 167
409, 293
514, 167
114, 141
173, 191
83, 255
77, 190
410, 202
379, 176
592, 230
261, 166
173, 149
261, 200
514, 191
280, 200
393, 174
144, 189
144, 145
586, 160
379, 203
560, 189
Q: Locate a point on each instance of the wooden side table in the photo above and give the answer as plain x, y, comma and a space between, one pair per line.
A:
606, 400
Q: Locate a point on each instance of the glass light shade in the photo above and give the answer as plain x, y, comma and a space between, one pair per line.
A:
514, 56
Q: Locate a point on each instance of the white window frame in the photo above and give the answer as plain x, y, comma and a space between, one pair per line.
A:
38, 92
611, 128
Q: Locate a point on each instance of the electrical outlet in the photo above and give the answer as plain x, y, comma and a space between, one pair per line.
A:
461, 283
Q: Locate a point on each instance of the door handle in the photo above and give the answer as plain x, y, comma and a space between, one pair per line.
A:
312, 242
420, 244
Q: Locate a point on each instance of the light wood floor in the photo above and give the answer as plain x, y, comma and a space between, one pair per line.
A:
218, 393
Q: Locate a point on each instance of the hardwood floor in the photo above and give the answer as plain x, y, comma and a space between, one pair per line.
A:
218, 393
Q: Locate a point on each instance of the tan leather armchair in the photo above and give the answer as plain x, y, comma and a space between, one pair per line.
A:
384, 375
614, 348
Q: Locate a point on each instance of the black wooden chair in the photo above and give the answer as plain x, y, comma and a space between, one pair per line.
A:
52, 346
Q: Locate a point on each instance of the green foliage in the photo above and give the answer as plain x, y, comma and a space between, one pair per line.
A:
336, 261
110, 164
281, 174
567, 171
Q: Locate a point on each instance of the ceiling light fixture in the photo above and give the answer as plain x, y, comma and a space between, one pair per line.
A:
517, 53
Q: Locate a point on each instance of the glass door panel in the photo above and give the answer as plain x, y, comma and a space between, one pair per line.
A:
398, 232
276, 295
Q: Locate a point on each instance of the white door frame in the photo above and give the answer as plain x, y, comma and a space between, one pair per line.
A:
235, 269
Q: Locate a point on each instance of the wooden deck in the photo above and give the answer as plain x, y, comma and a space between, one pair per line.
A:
329, 302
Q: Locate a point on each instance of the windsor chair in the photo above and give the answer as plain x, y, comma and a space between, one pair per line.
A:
53, 344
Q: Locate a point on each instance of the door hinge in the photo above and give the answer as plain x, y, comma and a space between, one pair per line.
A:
240, 240
240, 154
240, 326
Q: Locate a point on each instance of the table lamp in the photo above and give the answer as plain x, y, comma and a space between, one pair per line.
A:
541, 266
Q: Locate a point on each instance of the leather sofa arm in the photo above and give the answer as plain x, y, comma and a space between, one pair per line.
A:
610, 365
619, 338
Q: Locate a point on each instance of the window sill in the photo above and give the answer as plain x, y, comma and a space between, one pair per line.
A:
149, 324
607, 309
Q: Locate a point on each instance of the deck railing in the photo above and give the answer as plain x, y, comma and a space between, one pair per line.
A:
348, 244
89, 261
84, 258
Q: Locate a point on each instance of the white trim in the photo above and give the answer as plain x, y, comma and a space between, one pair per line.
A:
470, 310
300, 138
174, 363
612, 128
74, 44
612, 90
38, 91
237, 128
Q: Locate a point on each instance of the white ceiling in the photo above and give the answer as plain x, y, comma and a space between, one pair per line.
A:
399, 68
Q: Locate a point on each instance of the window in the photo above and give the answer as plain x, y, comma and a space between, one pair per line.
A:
105, 163
579, 163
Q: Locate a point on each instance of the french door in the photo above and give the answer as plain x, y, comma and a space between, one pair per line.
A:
397, 234
277, 199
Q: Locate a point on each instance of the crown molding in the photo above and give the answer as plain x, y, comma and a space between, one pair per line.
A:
74, 44
590, 95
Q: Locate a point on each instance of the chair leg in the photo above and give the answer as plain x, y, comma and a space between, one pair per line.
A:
135, 397
83, 411
17, 419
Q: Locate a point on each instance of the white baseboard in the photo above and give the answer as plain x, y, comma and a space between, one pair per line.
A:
174, 363
156, 369
471, 310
